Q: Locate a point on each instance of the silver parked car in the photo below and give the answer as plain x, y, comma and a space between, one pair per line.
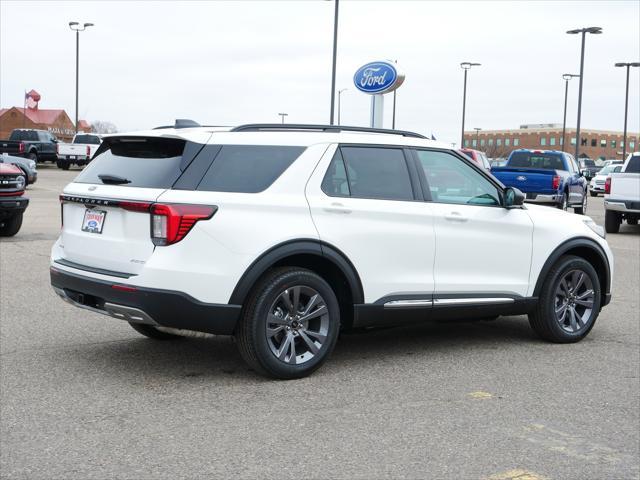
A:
27, 166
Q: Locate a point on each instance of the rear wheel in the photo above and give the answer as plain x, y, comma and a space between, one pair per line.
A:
10, 226
564, 203
611, 221
62, 165
152, 332
569, 302
290, 324
33, 156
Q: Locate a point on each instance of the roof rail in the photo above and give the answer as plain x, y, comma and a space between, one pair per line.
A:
258, 127
180, 123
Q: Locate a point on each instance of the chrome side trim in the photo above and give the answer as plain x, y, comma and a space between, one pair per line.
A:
408, 303
473, 301
120, 312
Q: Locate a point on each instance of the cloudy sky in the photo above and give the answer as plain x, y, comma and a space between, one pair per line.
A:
222, 63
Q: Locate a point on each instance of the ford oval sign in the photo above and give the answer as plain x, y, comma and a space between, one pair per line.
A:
377, 78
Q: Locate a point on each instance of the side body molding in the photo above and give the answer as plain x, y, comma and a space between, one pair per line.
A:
297, 247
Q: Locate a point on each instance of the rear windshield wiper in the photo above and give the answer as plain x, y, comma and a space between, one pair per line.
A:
112, 179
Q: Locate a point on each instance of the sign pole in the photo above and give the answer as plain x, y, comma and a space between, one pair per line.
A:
377, 111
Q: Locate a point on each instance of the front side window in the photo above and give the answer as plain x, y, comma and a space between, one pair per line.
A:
336, 183
451, 180
377, 173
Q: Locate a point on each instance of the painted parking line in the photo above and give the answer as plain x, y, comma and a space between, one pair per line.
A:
517, 474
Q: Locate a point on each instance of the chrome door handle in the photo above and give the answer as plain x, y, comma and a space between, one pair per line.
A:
455, 217
336, 207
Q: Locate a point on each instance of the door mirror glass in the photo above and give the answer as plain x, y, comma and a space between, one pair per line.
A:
513, 197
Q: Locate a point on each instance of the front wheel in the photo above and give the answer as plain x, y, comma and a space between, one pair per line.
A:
582, 209
611, 221
290, 324
569, 302
10, 226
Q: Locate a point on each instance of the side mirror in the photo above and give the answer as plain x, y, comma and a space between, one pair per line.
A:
513, 197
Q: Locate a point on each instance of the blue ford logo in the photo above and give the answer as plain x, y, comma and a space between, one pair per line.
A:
93, 223
377, 77
521, 178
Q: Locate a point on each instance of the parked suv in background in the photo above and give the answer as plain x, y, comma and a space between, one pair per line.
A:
622, 195
588, 168
12, 202
37, 145
283, 235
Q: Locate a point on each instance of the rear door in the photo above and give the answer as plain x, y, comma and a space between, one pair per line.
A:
365, 202
105, 222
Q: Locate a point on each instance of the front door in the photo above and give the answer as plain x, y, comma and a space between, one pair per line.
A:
481, 247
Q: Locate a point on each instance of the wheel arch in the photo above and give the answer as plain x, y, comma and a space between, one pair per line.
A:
322, 258
582, 247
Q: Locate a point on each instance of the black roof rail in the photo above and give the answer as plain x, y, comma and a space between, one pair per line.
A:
258, 127
180, 123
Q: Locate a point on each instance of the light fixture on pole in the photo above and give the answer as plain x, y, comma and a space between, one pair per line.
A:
76, 27
335, 52
583, 31
566, 77
339, 94
626, 105
466, 66
477, 129
283, 115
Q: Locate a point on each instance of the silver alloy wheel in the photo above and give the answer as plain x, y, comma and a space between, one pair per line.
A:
297, 325
574, 301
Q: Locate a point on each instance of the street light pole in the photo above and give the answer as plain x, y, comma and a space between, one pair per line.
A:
75, 26
339, 94
465, 66
583, 31
335, 51
566, 77
283, 115
626, 105
477, 129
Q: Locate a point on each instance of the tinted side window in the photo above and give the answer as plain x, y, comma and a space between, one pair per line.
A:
248, 168
634, 165
377, 173
336, 183
451, 180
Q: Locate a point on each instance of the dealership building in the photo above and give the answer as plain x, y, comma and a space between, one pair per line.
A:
55, 121
595, 144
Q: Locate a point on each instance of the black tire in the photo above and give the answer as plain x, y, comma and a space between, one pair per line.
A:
33, 156
582, 209
152, 332
564, 204
62, 165
612, 221
251, 334
10, 226
593, 194
543, 319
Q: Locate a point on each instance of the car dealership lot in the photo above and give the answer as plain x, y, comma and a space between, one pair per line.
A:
85, 396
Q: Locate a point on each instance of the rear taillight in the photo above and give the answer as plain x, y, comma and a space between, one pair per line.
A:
21, 147
88, 151
556, 182
170, 223
607, 185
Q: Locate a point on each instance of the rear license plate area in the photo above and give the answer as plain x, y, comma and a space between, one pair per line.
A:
93, 220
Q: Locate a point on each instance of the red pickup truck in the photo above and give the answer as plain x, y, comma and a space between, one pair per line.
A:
12, 202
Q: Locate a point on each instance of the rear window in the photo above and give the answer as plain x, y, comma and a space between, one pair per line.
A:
536, 160
248, 168
588, 163
24, 135
634, 165
87, 139
143, 162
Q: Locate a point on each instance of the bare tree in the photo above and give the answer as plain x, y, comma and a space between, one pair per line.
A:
102, 126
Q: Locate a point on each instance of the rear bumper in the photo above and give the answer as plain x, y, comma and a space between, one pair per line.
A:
628, 206
541, 198
164, 308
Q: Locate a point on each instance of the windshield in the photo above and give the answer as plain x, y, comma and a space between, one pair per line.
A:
536, 160
588, 163
608, 169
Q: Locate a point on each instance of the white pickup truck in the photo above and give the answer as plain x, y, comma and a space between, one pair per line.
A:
79, 152
622, 195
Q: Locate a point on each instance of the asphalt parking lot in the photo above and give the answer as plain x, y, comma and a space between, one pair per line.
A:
84, 396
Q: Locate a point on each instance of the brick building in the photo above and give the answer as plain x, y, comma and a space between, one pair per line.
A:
55, 121
595, 144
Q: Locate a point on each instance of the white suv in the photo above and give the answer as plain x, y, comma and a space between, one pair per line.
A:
283, 235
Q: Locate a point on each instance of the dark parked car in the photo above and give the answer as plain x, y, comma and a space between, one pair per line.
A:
12, 202
588, 168
37, 145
